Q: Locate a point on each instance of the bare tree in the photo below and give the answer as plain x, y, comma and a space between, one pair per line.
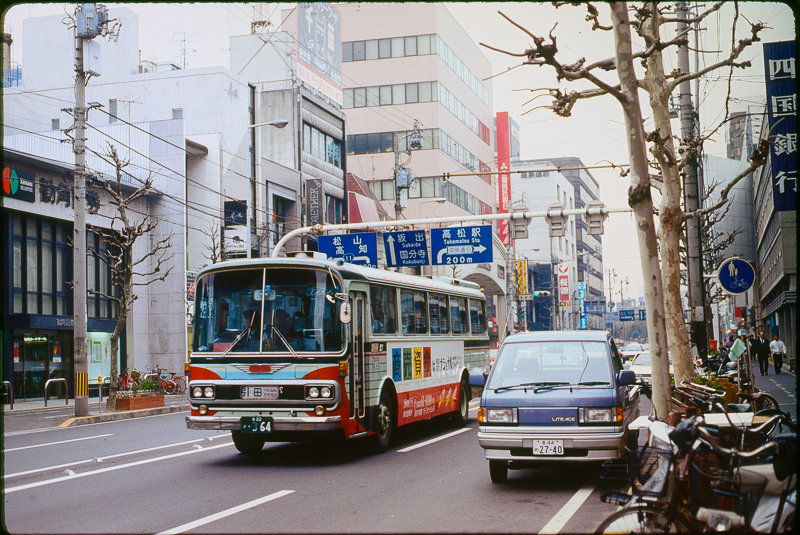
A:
665, 321
216, 251
127, 270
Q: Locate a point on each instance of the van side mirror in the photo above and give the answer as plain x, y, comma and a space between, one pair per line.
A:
626, 377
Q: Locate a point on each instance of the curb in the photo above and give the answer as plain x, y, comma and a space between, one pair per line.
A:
124, 415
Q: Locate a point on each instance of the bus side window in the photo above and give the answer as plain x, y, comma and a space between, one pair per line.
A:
383, 305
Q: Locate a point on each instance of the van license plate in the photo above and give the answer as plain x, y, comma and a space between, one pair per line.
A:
548, 447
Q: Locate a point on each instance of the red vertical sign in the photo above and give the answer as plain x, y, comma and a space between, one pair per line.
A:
504, 177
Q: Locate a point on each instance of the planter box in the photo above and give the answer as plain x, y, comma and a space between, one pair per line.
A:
137, 403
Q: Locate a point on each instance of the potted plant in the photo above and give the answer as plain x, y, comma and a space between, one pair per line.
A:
145, 395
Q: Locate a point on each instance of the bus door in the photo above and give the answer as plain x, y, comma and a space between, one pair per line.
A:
357, 373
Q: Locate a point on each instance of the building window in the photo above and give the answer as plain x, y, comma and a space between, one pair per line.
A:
334, 212
177, 113
322, 146
112, 111
55, 124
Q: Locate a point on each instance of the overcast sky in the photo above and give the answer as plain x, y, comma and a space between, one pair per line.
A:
594, 133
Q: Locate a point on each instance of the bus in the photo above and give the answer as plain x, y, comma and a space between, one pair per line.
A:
298, 348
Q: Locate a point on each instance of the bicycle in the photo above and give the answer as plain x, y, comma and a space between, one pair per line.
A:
126, 381
180, 382
168, 386
692, 483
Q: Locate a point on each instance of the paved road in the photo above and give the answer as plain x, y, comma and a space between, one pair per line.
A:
149, 475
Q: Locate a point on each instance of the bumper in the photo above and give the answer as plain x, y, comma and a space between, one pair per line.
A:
581, 444
288, 424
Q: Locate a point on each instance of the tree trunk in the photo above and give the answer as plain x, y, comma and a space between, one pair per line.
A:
671, 214
642, 204
115, 337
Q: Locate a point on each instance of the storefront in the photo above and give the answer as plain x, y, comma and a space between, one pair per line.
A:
36, 339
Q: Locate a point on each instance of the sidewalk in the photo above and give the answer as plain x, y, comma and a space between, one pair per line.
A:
172, 403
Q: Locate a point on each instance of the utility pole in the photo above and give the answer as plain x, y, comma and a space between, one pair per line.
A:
81, 355
398, 209
691, 196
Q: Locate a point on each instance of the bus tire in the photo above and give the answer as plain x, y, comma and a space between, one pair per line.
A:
384, 423
247, 444
462, 412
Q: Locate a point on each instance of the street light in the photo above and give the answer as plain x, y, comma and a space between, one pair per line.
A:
277, 124
439, 200
280, 123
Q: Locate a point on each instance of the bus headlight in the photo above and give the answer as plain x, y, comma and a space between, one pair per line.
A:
197, 392
208, 391
313, 392
326, 392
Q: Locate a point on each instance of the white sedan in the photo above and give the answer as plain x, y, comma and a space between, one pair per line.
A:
641, 366
632, 350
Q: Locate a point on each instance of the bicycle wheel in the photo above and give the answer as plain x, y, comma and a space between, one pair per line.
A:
766, 401
642, 519
180, 383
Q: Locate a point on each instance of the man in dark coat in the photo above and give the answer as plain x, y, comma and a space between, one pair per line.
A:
760, 347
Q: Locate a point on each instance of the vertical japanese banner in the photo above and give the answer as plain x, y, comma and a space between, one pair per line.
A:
779, 62
522, 277
563, 284
504, 176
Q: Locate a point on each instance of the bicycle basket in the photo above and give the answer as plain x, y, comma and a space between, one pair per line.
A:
714, 487
135, 374
646, 470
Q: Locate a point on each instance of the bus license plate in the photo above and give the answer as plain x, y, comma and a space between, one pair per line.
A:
256, 424
259, 392
548, 447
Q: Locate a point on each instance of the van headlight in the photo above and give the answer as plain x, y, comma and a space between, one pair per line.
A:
492, 415
600, 415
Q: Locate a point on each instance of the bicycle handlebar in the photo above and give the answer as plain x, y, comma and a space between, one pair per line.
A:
708, 439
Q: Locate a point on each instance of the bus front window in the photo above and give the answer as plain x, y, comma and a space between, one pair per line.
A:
273, 310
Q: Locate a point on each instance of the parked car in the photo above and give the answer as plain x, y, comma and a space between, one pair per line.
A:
641, 366
556, 397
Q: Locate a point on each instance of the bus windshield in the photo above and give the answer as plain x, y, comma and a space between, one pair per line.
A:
267, 310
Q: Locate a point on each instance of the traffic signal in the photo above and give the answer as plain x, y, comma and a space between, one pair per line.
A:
556, 219
595, 216
520, 225
541, 293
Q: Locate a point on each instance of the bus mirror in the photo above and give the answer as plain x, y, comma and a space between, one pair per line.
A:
345, 313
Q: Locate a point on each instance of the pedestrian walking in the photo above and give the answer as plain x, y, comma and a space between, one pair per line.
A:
778, 350
760, 348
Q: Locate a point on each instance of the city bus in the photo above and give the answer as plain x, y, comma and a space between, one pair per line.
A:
298, 348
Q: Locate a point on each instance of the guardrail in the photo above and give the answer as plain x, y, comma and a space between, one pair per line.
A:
100, 392
47, 389
10, 393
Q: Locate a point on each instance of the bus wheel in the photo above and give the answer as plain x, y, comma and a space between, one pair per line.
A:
384, 424
460, 416
247, 444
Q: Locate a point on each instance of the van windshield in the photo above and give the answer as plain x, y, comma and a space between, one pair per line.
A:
551, 362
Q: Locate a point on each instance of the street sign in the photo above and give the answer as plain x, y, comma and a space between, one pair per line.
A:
608, 325
525, 297
642, 314
611, 305
461, 245
626, 315
359, 248
409, 248
736, 276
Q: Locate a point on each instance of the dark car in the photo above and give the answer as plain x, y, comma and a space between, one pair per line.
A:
556, 397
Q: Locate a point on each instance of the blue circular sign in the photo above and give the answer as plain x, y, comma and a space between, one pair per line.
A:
736, 275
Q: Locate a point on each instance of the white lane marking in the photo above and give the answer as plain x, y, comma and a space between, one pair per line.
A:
28, 432
227, 512
431, 441
114, 456
59, 442
570, 508
112, 468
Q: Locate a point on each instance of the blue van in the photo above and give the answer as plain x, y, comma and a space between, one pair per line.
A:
554, 397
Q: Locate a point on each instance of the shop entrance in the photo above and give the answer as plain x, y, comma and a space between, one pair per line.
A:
38, 357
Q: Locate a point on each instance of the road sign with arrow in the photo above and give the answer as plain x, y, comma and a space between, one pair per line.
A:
408, 248
461, 245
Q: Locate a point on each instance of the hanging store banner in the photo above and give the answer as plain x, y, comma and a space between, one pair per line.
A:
319, 48
522, 276
563, 284
779, 61
314, 211
504, 176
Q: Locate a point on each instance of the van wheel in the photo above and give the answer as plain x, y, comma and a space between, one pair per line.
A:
248, 445
460, 416
384, 424
498, 471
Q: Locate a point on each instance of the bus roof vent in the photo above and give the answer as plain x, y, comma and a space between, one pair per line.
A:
458, 282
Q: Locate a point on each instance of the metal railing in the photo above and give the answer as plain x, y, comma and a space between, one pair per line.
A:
100, 392
8, 385
47, 390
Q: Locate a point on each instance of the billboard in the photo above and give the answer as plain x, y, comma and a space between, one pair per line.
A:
779, 62
504, 176
319, 48
315, 213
